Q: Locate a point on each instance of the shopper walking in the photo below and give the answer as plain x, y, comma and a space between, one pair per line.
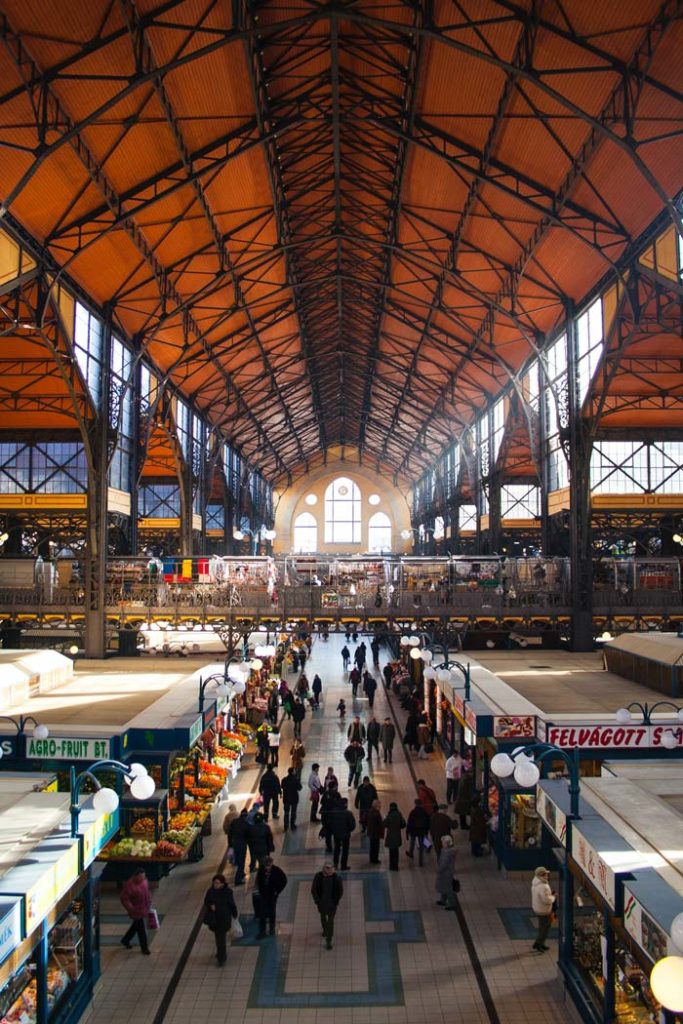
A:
346, 656
331, 800
370, 688
426, 796
297, 753
542, 904
375, 830
463, 798
394, 823
327, 890
274, 747
453, 772
260, 841
270, 789
314, 789
354, 755
445, 868
356, 731
440, 825
270, 881
387, 735
219, 912
416, 829
354, 679
137, 902
317, 689
365, 796
372, 733
291, 788
478, 826
424, 738
341, 823
298, 715
237, 840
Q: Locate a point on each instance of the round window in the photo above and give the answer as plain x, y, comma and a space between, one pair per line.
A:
374, 499
311, 499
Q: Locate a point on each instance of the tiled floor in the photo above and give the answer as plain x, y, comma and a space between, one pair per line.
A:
397, 957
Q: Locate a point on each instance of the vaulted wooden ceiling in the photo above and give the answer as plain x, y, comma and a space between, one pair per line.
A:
339, 224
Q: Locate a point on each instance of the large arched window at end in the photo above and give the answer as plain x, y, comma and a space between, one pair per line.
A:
305, 533
342, 512
379, 532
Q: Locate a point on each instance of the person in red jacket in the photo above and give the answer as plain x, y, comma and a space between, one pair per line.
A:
426, 796
137, 901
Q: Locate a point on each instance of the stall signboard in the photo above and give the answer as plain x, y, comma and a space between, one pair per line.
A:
514, 727
63, 851
68, 748
35, 881
611, 736
96, 831
645, 932
458, 705
552, 815
8, 746
196, 730
471, 719
603, 855
10, 926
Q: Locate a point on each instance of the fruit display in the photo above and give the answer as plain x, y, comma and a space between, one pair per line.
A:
200, 791
143, 826
164, 849
183, 819
131, 848
182, 837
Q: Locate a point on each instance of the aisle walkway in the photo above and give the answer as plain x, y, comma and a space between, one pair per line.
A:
397, 956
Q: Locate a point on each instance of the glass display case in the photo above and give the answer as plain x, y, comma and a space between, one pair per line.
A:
633, 999
18, 997
517, 835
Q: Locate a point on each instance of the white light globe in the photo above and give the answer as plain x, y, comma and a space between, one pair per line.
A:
415, 654
502, 765
414, 641
677, 931
426, 657
268, 651
679, 716
429, 673
443, 675
526, 773
406, 534
666, 982
490, 644
105, 801
244, 668
222, 690
405, 641
137, 770
669, 741
258, 651
239, 687
623, 716
142, 787
41, 732
257, 665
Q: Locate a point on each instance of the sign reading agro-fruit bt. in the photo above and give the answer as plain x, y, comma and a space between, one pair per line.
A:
621, 737
68, 748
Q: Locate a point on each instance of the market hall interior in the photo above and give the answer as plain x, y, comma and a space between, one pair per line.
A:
396, 955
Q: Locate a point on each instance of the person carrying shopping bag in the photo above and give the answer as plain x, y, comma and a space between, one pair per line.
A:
219, 912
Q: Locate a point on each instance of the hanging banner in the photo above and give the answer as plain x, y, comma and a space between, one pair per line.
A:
611, 737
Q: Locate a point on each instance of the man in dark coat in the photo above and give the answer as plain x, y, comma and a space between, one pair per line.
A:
327, 890
370, 688
237, 840
417, 829
387, 673
354, 679
356, 731
317, 689
291, 787
346, 655
387, 735
341, 824
354, 755
331, 799
373, 731
375, 830
298, 715
259, 840
440, 825
365, 795
270, 789
270, 881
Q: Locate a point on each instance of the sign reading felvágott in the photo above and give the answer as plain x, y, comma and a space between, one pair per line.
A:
623, 737
68, 748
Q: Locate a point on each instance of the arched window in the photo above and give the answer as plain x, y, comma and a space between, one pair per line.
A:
305, 533
379, 532
342, 512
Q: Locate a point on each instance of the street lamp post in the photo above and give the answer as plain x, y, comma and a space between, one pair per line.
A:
526, 774
669, 739
40, 732
222, 688
106, 800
